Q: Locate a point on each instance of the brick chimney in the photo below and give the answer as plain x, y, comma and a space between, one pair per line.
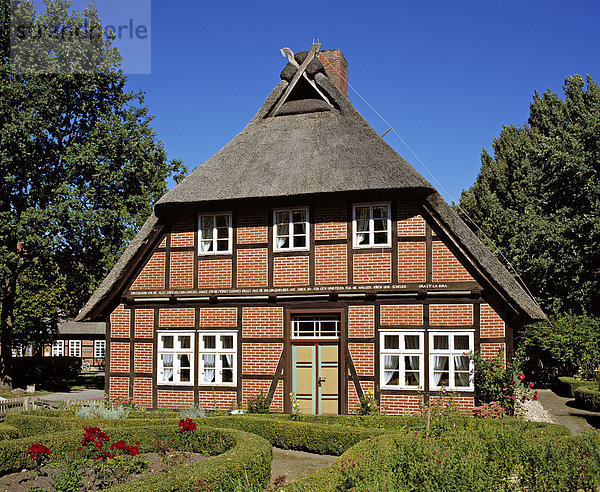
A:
336, 67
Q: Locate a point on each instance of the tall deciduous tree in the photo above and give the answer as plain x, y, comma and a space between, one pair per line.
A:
80, 166
538, 197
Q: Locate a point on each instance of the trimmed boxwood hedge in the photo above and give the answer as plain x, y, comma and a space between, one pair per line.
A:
566, 386
9, 432
588, 397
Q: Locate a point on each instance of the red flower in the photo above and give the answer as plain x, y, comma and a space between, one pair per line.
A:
186, 425
104, 455
521, 376
38, 451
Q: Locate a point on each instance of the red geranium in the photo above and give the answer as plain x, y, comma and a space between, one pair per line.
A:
186, 425
38, 452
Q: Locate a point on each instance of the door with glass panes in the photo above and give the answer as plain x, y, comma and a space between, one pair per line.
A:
315, 363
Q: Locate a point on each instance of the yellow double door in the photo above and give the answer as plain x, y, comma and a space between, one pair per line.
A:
315, 378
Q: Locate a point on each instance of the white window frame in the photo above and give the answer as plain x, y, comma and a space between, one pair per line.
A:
317, 331
290, 211
58, 348
217, 351
213, 250
451, 352
99, 349
401, 352
371, 231
175, 351
75, 346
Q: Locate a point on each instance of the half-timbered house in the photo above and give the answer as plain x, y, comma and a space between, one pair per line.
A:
304, 257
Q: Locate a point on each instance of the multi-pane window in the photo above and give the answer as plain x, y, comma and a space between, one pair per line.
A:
449, 363
58, 348
290, 229
316, 326
175, 358
99, 349
217, 354
401, 359
215, 234
371, 225
75, 348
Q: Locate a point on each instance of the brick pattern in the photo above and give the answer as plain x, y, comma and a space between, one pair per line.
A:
252, 226
451, 314
411, 314
214, 273
118, 388
412, 261
400, 404
290, 270
181, 272
144, 323
361, 321
259, 322
336, 68
261, 358
252, 387
176, 318
369, 268
252, 268
175, 399
363, 356
182, 232
464, 404
163, 243
142, 357
492, 325
119, 322
489, 350
221, 400
330, 222
142, 392
152, 275
331, 264
353, 402
218, 317
446, 267
119, 357
410, 223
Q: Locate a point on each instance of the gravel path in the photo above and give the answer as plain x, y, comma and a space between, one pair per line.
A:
297, 464
564, 412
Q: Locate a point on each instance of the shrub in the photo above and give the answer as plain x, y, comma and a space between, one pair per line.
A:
367, 404
259, 403
192, 413
566, 386
588, 397
9, 432
100, 411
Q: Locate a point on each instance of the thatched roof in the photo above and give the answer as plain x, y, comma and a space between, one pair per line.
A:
82, 328
310, 145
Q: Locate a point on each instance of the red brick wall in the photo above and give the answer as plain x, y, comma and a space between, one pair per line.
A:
176, 318
290, 270
330, 222
353, 403
218, 317
142, 392
252, 226
331, 264
119, 357
252, 387
175, 399
363, 356
259, 322
445, 266
182, 232
223, 400
361, 321
261, 358
152, 275
492, 324
142, 359
489, 350
402, 315
400, 404
252, 268
463, 403
118, 388
410, 223
119, 322
371, 268
450, 314
144, 323
336, 68
181, 272
214, 273
412, 261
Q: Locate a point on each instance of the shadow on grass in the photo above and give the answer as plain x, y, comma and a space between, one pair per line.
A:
87, 380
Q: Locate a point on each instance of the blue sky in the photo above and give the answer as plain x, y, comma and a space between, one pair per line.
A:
446, 75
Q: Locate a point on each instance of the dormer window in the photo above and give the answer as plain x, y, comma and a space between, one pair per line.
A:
290, 229
215, 234
371, 225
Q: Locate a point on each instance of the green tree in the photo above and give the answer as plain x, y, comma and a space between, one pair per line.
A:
80, 165
538, 197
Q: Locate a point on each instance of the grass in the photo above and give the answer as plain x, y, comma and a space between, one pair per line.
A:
7, 394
